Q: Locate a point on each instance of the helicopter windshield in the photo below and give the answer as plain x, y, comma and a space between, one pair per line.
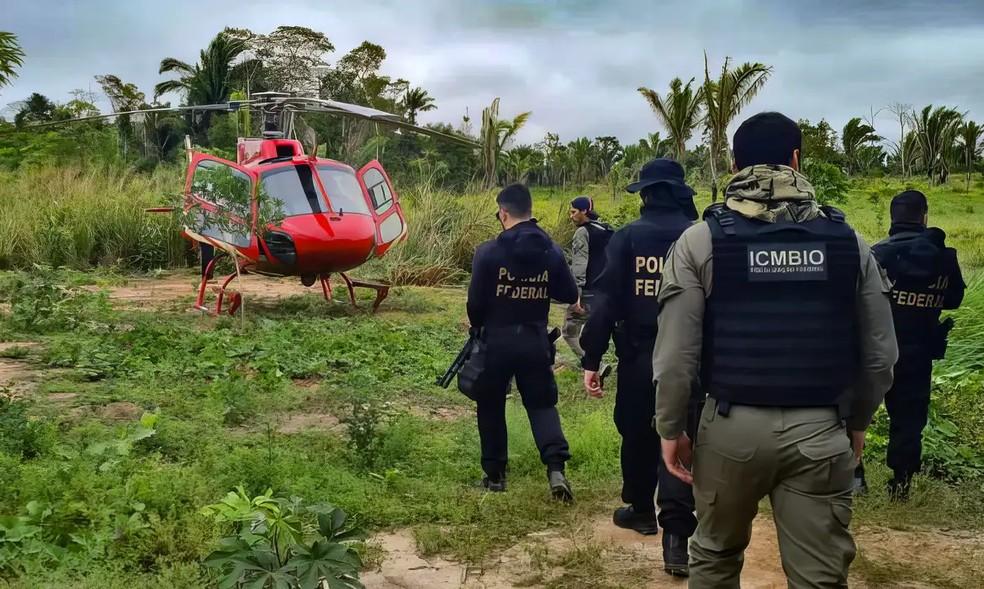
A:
294, 187
344, 192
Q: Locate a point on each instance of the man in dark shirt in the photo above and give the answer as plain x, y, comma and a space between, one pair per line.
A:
626, 304
926, 280
514, 276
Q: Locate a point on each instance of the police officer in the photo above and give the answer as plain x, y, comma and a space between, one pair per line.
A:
587, 263
794, 338
626, 304
514, 276
927, 279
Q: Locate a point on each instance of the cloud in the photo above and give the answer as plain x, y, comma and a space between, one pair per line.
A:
576, 64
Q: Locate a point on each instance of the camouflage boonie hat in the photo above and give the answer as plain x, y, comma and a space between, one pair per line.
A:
769, 183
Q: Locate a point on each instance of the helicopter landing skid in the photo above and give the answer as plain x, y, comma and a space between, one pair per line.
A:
223, 293
382, 290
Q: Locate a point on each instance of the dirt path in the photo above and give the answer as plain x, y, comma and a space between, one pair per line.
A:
17, 375
602, 555
183, 288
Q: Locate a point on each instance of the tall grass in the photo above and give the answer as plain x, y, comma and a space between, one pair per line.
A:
79, 218
75, 217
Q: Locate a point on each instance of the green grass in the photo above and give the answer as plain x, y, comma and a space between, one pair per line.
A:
223, 387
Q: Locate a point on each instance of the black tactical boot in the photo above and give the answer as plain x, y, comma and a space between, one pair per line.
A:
630, 519
898, 489
494, 485
560, 488
676, 559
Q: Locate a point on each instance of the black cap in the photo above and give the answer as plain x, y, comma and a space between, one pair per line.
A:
661, 171
516, 199
909, 207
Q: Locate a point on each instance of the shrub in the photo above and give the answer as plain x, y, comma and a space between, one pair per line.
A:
276, 544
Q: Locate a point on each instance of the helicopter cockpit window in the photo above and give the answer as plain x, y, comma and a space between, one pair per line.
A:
379, 191
294, 187
344, 192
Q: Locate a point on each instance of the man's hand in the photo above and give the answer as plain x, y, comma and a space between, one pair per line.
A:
857, 444
678, 457
592, 384
578, 309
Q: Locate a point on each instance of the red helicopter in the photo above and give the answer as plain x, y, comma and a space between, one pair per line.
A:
334, 218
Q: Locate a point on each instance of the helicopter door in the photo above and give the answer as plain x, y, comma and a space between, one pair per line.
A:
391, 225
222, 193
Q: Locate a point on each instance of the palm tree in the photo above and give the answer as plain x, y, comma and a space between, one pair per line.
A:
936, 130
520, 162
723, 100
206, 82
11, 57
970, 138
856, 136
678, 111
494, 136
417, 100
580, 153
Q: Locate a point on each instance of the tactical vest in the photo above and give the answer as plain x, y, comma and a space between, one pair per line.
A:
916, 265
599, 234
649, 240
780, 327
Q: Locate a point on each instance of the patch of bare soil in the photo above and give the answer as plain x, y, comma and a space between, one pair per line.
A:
300, 422
120, 411
62, 397
164, 292
947, 558
17, 376
453, 413
403, 568
599, 554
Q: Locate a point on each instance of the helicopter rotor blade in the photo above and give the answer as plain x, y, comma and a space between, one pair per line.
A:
276, 103
317, 105
231, 106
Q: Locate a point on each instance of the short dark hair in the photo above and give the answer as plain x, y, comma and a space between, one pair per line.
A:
767, 138
909, 207
516, 200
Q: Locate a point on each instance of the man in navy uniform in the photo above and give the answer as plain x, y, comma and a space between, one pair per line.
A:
626, 304
514, 277
926, 279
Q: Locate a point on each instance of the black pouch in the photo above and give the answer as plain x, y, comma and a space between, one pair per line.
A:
473, 368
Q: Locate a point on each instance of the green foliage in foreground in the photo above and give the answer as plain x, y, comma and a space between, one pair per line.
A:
277, 545
98, 499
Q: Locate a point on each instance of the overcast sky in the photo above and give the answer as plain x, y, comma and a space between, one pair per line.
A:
575, 63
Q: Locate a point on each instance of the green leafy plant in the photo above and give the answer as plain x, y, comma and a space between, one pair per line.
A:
366, 428
283, 544
114, 450
41, 303
21, 435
